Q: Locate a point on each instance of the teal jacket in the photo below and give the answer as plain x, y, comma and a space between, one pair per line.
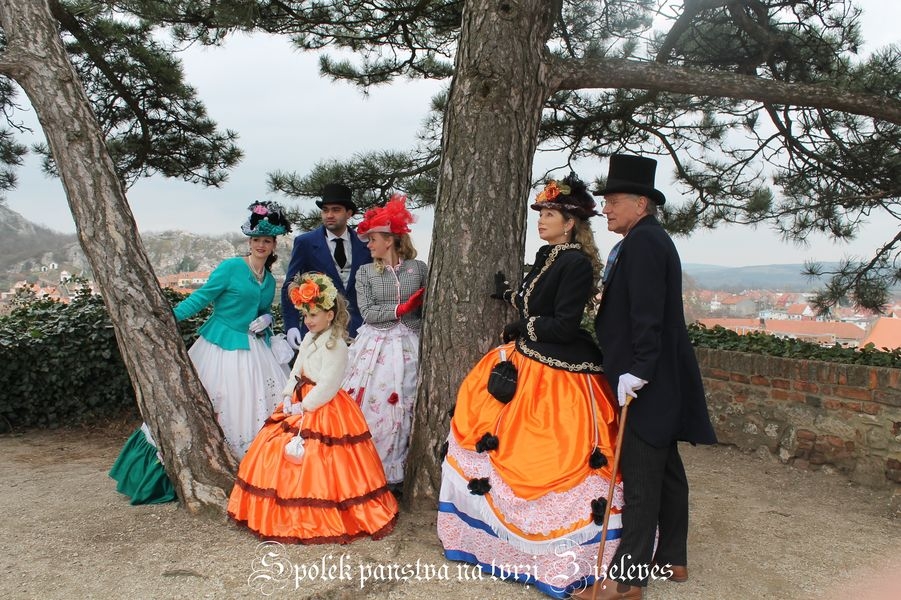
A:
237, 299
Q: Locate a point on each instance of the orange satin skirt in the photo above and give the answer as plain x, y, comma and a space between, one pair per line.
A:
336, 494
526, 510
547, 432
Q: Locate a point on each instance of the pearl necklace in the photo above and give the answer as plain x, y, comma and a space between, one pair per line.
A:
257, 274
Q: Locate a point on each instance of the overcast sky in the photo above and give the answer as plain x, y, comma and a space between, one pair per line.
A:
289, 118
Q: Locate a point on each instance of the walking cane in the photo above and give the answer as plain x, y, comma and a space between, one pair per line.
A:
610, 490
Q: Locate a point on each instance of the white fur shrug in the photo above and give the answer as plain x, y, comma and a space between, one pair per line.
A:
323, 365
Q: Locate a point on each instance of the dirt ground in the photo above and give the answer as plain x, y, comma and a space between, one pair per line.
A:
759, 530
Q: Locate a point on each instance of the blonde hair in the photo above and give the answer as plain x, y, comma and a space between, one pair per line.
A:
338, 330
583, 234
403, 247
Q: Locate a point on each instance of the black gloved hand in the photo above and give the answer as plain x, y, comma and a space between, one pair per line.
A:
501, 286
512, 331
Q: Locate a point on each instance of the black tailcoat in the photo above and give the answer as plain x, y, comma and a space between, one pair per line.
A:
641, 329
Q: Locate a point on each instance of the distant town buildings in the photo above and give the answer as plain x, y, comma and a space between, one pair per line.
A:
827, 333
789, 315
885, 332
782, 314
62, 291
184, 282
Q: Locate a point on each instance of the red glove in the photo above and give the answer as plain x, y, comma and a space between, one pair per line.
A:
412, 303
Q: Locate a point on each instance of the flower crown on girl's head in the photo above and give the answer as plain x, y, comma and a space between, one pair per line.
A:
312, 291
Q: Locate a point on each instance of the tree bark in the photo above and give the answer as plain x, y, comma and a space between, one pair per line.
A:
170, 396
489, 139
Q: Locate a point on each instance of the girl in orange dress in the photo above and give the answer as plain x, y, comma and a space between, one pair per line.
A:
524, 482
312, 475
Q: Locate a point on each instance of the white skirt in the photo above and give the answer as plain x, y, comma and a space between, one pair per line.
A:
244, 385
381, 377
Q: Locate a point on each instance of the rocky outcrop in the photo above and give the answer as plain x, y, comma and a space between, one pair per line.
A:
27, 248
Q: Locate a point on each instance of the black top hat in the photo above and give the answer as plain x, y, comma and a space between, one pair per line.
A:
632, 175
337, 193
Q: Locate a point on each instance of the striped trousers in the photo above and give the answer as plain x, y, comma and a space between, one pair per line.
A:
656, 495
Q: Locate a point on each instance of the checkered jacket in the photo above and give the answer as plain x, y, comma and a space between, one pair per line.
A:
378, 294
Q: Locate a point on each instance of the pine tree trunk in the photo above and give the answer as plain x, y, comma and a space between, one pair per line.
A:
489, 141
169, 394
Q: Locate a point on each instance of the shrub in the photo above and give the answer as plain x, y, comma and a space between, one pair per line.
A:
763, 343
61, 363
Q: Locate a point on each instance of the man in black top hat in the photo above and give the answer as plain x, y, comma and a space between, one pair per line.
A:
648, 357
332, 249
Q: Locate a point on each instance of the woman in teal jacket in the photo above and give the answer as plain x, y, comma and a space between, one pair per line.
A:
232, 355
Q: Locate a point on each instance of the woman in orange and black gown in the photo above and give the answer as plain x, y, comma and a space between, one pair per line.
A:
524, 482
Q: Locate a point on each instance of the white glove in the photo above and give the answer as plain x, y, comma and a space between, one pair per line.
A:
628, 386
260, 324
291, 408
294, 338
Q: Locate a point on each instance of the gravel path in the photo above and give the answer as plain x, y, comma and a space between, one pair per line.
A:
759, 530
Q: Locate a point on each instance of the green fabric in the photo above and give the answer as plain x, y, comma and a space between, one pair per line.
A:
237, 299
139, 473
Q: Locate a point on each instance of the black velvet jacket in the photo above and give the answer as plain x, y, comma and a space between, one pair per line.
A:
551, 301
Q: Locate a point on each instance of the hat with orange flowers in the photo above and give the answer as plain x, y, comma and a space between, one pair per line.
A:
569, 195
312, 291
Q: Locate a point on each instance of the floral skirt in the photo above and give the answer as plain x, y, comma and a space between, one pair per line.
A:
381, 377
522, 510
244, 386
336, 493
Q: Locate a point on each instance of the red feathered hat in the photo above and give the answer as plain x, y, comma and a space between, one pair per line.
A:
392, 218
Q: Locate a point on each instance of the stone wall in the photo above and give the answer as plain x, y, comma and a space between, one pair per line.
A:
814, 415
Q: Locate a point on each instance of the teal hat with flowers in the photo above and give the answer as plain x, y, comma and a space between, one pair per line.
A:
266, 219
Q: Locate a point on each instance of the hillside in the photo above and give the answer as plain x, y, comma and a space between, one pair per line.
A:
786, 278
26, 247
28, 250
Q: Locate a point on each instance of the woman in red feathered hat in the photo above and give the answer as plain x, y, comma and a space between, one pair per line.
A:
384, 358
